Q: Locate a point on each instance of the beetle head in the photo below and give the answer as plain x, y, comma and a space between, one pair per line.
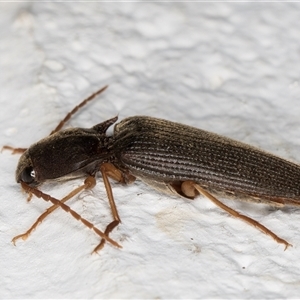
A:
66, 154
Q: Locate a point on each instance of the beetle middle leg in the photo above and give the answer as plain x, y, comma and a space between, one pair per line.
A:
109, 170
192, 189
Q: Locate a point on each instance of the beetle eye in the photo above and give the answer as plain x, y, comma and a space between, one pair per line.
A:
28, 175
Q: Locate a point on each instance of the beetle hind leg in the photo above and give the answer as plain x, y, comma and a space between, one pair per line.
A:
191, 189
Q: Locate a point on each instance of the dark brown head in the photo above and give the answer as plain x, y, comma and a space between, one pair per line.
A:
66, 154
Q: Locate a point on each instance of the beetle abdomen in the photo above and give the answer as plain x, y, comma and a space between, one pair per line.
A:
169, 151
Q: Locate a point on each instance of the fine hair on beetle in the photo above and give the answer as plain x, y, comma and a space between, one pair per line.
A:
171, 157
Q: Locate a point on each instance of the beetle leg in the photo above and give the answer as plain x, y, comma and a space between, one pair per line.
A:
66, 208
191, 189
109, 170
14, 150
88, 183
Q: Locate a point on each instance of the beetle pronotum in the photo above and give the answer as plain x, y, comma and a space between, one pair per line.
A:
171, 157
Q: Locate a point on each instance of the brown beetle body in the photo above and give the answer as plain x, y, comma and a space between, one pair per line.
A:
171, 157
159, 151
164, 153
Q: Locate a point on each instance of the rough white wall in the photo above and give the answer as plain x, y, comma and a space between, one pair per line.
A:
231, 68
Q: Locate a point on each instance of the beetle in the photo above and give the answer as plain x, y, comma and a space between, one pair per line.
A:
171, 157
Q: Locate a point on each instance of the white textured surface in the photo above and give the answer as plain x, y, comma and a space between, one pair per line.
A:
230, 68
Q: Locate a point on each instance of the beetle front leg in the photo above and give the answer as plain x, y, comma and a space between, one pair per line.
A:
88, 184
67, 209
